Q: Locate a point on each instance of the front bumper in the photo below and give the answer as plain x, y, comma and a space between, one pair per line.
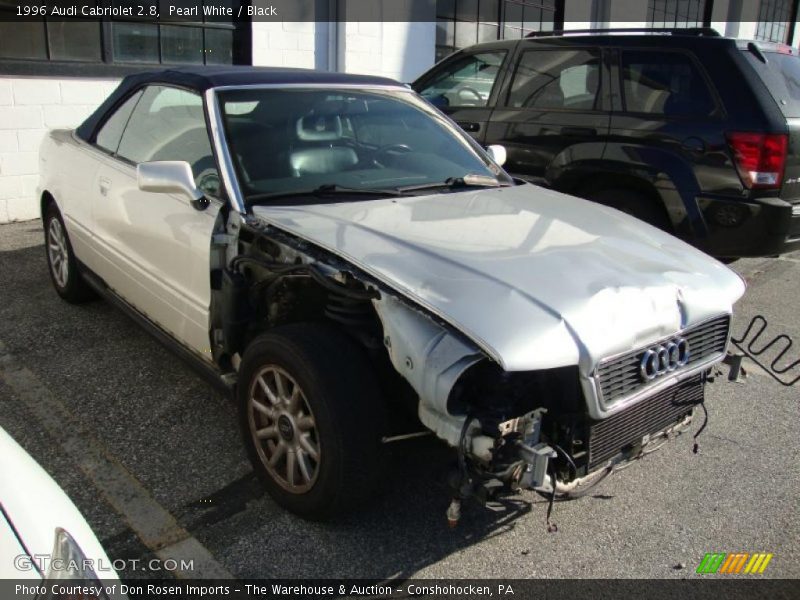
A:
738, 228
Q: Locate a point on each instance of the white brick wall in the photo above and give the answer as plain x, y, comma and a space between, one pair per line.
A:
29, 106
408, 49
8, 141
399, 50
6, 97
289, 44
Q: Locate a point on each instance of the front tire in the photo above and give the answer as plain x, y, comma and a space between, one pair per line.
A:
61, 261
311, 417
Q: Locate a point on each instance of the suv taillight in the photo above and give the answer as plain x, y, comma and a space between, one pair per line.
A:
760, 158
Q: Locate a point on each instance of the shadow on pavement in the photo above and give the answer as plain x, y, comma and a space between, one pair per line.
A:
180, 439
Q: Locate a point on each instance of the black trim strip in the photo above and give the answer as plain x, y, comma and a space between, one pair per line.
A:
19, 539
211, 374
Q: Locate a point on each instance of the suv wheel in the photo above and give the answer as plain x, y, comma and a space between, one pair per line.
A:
634, 203
312, 418
63, 265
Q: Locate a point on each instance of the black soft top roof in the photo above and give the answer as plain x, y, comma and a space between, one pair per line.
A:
201, 79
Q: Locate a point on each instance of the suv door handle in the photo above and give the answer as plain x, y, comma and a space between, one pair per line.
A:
104, 184
579, 131
469, 126
693, 144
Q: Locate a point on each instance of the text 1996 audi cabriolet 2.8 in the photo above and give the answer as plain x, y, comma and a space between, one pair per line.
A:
337, 253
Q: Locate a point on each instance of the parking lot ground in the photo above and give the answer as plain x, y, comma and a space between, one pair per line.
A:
112, 415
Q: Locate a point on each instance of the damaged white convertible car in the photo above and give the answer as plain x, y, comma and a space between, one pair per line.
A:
341, 255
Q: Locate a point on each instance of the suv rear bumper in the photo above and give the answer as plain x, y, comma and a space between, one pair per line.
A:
755, 227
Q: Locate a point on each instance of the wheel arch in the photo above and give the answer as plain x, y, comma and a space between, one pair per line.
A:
45, 201
672, 208
606, 181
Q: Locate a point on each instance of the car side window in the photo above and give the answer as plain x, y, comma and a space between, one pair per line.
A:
468, 81
109, 135
561, 79
168, 124
664, 83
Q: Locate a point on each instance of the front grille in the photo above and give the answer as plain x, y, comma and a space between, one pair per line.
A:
619, 377
610, 436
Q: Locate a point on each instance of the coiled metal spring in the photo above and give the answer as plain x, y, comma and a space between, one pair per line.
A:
755, 333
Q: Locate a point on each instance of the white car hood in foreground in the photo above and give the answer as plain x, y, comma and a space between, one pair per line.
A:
536, 278
35, 506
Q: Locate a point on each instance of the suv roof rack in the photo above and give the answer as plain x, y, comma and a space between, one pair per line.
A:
689, 31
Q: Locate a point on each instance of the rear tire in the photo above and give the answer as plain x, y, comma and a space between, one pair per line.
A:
61, 262
312, 417
634, 203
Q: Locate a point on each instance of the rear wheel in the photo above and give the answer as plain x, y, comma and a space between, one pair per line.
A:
63, 265
634, 203
312, 418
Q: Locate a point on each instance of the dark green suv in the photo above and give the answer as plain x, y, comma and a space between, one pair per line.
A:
695, 133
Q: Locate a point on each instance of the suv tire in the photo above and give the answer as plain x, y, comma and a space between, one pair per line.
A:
312, 417
61, 262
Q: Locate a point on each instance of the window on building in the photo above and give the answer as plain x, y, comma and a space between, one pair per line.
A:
677, 13
169, 124
127, 40
523, 17
560, 79
467, 82
773, 20
664, 83
462, 23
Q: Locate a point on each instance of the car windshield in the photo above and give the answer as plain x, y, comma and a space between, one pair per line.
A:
291, 142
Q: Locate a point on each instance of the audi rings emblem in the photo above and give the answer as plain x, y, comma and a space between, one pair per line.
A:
660, 360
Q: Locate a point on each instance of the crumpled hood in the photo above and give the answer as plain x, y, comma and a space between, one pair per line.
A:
536, 278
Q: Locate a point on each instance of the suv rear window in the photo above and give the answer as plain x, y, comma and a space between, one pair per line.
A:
781, 75
664, 83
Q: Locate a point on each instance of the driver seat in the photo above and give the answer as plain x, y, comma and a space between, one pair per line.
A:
318, 154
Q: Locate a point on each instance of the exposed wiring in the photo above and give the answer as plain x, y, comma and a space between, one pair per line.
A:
582, 490
702, 427
646, 451
310, 270
571, 462
551, 526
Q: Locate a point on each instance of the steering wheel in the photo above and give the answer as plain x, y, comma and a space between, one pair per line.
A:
390, 149
471, 91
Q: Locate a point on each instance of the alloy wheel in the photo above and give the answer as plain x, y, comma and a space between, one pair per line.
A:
58, 253
283, 429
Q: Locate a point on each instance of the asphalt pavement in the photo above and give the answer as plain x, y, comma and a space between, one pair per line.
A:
86, 379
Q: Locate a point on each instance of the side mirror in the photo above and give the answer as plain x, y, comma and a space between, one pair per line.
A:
498, 154
170, 177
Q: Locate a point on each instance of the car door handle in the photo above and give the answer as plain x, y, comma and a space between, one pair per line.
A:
105, 185
579, 131
469, 126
